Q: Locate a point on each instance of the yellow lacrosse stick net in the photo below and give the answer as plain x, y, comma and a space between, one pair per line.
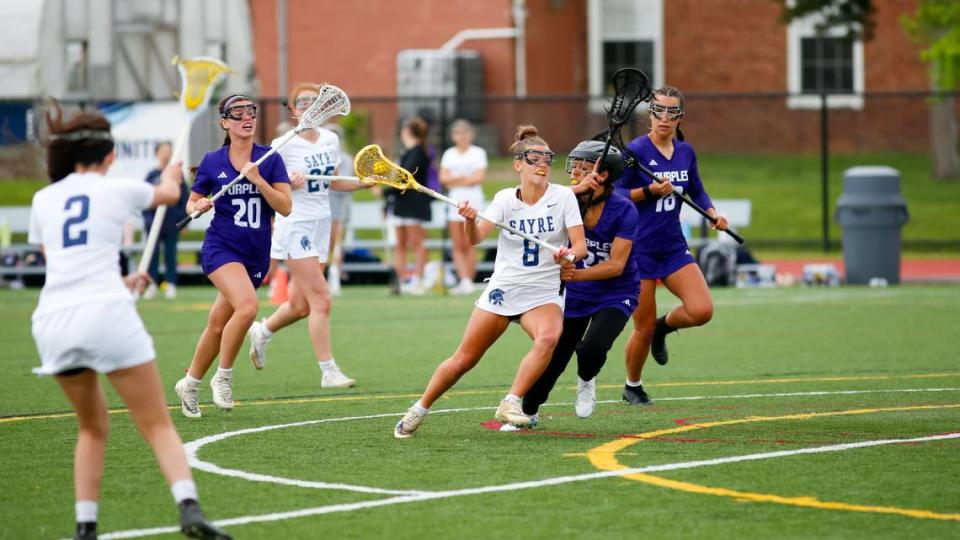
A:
199, 76
372, 167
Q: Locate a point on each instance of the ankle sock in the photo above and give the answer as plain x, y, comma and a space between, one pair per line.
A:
86, 511
183, 490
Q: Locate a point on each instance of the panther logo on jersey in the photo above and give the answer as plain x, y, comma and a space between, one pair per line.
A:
305, 243
496, 297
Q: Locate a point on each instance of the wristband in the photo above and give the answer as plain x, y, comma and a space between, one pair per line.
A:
647, 194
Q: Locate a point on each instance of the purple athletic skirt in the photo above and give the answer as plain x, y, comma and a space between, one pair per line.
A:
661, 264
214, 256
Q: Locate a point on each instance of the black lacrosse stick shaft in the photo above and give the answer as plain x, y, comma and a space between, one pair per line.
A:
686, 198
630, 88
183, 222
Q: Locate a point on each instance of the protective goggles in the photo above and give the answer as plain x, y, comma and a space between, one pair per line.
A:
578, 164
663, 112
237, 112
304, 102
537, 157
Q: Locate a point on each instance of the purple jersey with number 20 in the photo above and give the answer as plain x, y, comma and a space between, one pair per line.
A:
241, 227
659, 226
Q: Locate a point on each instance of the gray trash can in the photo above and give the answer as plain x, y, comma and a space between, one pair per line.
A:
871, 212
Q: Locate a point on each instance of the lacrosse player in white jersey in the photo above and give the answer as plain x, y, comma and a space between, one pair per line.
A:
86, 322
302, 240
525, 285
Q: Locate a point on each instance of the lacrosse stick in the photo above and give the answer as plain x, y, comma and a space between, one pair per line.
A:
689, 202
198, 78
373, 167
331, 101
630, 87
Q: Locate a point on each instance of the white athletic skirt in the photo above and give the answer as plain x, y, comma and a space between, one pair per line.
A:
103, 337
514, 300
301, 239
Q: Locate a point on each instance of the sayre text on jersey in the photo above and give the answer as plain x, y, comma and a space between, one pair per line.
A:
534, 225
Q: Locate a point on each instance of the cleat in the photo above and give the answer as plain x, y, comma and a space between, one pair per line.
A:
534, 420
86, 530
586, 397
510, 412
334, 378
188, 398
222, 386
194, 525
658, 345
635, 395
408, 425
258, 345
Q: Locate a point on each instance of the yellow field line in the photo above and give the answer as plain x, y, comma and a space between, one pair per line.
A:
361, 397
604, 457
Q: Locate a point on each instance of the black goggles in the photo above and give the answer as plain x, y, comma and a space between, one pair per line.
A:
537, 157
236, 112
663, 112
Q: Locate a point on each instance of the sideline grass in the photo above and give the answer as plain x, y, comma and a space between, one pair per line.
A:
784, 341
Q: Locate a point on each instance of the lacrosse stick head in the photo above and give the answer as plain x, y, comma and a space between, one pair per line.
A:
630, 87
374, 168
198, 79
331, 101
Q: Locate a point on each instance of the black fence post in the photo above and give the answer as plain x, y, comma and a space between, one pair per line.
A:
824, 173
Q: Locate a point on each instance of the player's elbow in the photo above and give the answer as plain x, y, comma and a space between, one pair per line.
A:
166, 194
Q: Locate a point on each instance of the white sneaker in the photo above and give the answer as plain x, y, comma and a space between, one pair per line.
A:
586, 397
222, 386
188, 398
510, 412
417, 289
334, 378
171, 292
150, 292
407, 425
465, 286
258, 345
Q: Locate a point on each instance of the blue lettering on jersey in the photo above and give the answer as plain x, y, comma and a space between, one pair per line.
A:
534, 225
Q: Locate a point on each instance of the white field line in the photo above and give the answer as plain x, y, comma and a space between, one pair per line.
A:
515, 486
193, 447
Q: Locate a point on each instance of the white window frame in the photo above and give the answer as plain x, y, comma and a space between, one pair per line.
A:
805, 28
646, 31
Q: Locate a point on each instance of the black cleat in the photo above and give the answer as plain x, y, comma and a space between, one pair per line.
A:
658, 344
194, 525
86, 530
635, 395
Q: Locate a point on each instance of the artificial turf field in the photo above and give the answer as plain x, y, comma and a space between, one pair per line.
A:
725, 452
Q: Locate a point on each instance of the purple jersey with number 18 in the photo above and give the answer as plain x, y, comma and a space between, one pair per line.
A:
241, 227
659, 225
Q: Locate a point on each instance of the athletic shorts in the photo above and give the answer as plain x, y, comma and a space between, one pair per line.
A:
213, 257
587, 308
475, 201
661, 264
515, 300
396, 221
301, 239
102, 337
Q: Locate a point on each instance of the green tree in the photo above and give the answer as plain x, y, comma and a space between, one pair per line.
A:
935, 25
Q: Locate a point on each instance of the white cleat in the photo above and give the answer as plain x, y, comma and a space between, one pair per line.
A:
586, 397
188, 398
408, 425
258, 345
510, 412
222, 386
534, 420
334, 378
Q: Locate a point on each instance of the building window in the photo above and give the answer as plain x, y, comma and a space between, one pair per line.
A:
76, 59
818, 63
621, 54
826, 65
623, 33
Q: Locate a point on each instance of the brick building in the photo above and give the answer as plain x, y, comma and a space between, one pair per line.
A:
733, 58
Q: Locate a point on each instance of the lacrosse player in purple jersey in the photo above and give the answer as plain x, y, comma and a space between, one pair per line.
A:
602, 288
236, 249
662, 251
